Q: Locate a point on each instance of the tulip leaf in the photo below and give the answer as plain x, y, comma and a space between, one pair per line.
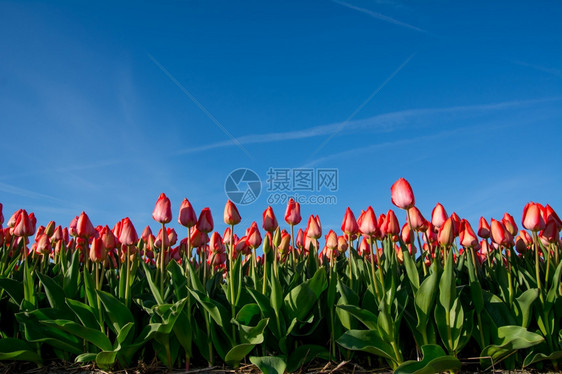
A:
54, 292
301, 299
86, 357
270, 364
118, 313
29, 301
424, 299
237, 354
410, 266
509, 339
93, 336
179, 279
447, 287
17, 350
304, 354
71, 274
523, 306
434, 360
84, 313
535, 357
367, 341
14, 288
153, 287
105, 360
247, 313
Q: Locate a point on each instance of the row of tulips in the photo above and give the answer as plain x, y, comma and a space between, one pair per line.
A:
426, 296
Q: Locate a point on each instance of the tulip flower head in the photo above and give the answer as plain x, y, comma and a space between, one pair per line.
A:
532, 218
162, 210
438, 215
231, 214
187, 216
205, 222
269, 220
402, 195
349, 224
368, 225
293, 213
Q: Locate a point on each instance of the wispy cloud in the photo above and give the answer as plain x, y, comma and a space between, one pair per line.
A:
380, 16
18, 191
551, 71
385, 122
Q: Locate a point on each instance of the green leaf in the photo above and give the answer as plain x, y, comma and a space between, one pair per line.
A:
90, 290
253, 334
28, 288
179, 280
237, 354
364, 316
14, 288
217, 311
84, 313
117, 312
153, 288
93, 336
447, 288
410, 267
105, 360
304, 354
270, 364
17, 350
86, 357
435, 360
509, 339
424, 299
535, 357
367, 341
276, 294
54, 292
247, 313
301, 299
71, 274
523, 306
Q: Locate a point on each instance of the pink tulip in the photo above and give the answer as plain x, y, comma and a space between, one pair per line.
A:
532, 218
402, 195
438, 215
314, 228
417, 221
446, 233
162, 209
293, 213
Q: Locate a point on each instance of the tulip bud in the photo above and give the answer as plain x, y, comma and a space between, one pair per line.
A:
284, 246
314, 228
231, 214
551, 215
467, 236
216, 245
269, 220
187, 216
402, 195
349, 224
456, 223
23, 226
97, 250
446, 235
331, 240
84, 227
172, 236
43, 245
128, 235
498, 232
293, 213
364, 247
380, 224
146, 234
50, 229
1, 216
509, 224
205, 222
369, 225
162, 209
550, 233
407, 236
438, 215
483, 228
300, 239
417, 221
253, 236
108, 238
391, 225
13, 218
198, 237
532, 218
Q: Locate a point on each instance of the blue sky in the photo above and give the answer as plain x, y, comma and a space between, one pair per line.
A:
104, 106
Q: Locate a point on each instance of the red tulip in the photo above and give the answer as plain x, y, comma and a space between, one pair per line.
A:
483, 228
57, 234
253, 237
205, 222
285, 245
532, 217
367, 222
300, 239
446, 233
438, 215
269, 221
231, 214
109, 240
97, 250
332, 240
293, 213
172, 236
364, 247
342, 244
466, 235
498, 233
216, 245
198, 237
162, 210
1, 216
550, 232
417, 221
551, 215
349, 224
84, 227
314, 228
50, 229
391, 225
187, 216
128, 235
406, 234
23, 226
241, 247
43, 245
402, 195
509, 224
456, 223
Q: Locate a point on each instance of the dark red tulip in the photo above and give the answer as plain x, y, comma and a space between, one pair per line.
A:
205, 222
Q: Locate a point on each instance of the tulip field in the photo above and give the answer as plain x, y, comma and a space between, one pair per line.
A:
432, 294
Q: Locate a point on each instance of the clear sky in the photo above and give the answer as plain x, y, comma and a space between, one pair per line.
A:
104, 105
